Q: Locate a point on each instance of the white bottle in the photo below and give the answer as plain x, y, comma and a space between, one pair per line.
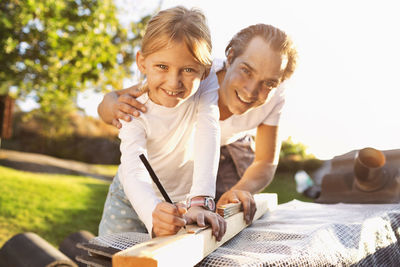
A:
303, 181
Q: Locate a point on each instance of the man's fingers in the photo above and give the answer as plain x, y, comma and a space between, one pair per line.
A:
128, 106
245, 197
225, 199
246, 209
253, 209
228, 197
249, 205
116, 123
135, 90
234, 199
131, 94
126, 90
122, 116
128, 99
222, 201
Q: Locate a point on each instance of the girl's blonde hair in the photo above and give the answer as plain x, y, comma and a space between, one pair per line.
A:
179, 24
278, 40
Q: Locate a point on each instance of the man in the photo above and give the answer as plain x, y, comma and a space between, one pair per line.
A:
251, 96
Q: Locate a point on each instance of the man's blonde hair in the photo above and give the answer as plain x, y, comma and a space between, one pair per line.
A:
179, 24
278, 40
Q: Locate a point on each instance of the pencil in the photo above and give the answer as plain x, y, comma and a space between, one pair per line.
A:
155, 178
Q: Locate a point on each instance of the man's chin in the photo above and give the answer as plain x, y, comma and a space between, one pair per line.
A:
241, 108
241, 111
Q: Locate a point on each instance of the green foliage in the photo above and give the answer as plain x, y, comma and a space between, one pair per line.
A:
293, 157
292, 165
53, 206
289, 149
53, 49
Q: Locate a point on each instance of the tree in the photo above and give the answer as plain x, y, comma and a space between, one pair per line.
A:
294, 157
292, 149
53, 49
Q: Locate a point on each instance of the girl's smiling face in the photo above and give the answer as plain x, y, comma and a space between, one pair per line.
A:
173, 74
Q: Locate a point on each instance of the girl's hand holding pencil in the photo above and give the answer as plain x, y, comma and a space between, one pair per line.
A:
168, 218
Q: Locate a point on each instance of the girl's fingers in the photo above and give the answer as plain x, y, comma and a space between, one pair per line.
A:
200, 219
161, 228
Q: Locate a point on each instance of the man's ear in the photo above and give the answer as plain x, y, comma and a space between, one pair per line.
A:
140, 62
205, 73
230, 57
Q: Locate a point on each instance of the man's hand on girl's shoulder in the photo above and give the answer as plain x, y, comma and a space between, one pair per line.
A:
126, 104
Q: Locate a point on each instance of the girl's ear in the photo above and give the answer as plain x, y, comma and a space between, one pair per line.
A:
140, 62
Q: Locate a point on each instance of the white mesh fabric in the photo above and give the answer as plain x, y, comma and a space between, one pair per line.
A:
120, 240
306, 234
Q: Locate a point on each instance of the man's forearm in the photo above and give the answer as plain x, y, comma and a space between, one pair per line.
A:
106, 106
257, 176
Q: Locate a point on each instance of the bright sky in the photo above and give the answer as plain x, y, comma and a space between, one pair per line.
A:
345, 93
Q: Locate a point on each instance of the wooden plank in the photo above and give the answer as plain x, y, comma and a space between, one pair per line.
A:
185, 249
229, 209
94, 261
98, 250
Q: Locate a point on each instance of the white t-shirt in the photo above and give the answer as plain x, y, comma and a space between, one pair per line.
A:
180, 143
237, 126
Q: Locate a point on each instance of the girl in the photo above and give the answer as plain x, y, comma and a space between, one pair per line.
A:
251, 97
179, 133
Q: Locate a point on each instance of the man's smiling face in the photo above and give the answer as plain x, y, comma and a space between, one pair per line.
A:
251, 76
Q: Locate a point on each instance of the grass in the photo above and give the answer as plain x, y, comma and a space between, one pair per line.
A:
52, 206
284, 185
105, 170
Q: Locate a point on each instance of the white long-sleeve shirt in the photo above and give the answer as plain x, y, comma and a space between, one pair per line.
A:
181, 144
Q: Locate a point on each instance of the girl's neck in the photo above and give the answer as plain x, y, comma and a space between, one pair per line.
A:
152, 98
